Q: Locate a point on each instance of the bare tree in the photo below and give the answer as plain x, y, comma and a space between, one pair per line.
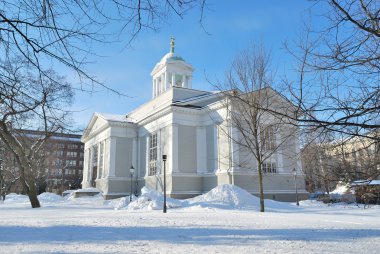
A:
338, 88
329, 159
63, 32
251, 125
28, 100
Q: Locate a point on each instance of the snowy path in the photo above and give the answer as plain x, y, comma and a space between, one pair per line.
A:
94, 228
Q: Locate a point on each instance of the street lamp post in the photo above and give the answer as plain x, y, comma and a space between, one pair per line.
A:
295, 184
164, 157
131, 170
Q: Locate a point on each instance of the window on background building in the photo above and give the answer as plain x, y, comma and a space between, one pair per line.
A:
58, 153
81, 155
153, 154
61, 146
268, 140
80, 163
71, 154
71, 163
58, 162
72, 146
80, 172
269, 167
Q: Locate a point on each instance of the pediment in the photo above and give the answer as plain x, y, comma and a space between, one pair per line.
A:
95, 126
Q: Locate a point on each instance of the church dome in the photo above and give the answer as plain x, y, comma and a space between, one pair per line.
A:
171, 57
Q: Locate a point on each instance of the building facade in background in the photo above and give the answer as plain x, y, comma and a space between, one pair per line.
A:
190, 127
61, 162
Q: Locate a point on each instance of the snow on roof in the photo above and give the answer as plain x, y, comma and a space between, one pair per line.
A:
365, 182
115, 118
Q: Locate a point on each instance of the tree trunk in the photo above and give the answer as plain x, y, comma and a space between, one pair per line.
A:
32, 194
262, 207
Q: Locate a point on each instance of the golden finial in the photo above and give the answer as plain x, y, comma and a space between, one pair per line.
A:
172, 44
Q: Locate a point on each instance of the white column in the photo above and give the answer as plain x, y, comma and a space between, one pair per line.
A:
184, 80
235, 149
174, 151
91, 154
201, 150
85, 169
156, 88
216, 148
112, 156
165, 85
98, 173
134, 154
162, 84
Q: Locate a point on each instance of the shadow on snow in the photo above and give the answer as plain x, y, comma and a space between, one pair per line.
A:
70, 234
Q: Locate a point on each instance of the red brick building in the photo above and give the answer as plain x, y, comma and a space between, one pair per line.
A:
62, 161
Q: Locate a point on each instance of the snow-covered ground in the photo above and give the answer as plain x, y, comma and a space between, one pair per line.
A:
225, 220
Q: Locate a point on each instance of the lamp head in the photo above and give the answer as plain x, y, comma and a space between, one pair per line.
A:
164, 157
132, 170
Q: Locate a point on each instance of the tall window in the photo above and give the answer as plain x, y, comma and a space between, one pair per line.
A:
153, 154
269, 167
268, 139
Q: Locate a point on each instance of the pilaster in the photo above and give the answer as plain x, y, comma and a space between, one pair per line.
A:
112, 156
201, 150
174, 152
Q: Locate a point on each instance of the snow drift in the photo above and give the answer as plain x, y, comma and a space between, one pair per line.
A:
226, 196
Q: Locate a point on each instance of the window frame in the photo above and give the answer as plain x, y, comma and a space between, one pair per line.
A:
153, 154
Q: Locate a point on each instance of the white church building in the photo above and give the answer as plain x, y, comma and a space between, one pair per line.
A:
185, 125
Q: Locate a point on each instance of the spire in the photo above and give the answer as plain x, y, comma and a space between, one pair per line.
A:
172, 44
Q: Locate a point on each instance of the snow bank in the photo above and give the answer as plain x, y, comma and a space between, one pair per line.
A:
120, 203
228, 197
225, 197
152, 200
48, 197
16, 198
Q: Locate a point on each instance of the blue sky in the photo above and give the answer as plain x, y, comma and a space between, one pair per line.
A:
230, 26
